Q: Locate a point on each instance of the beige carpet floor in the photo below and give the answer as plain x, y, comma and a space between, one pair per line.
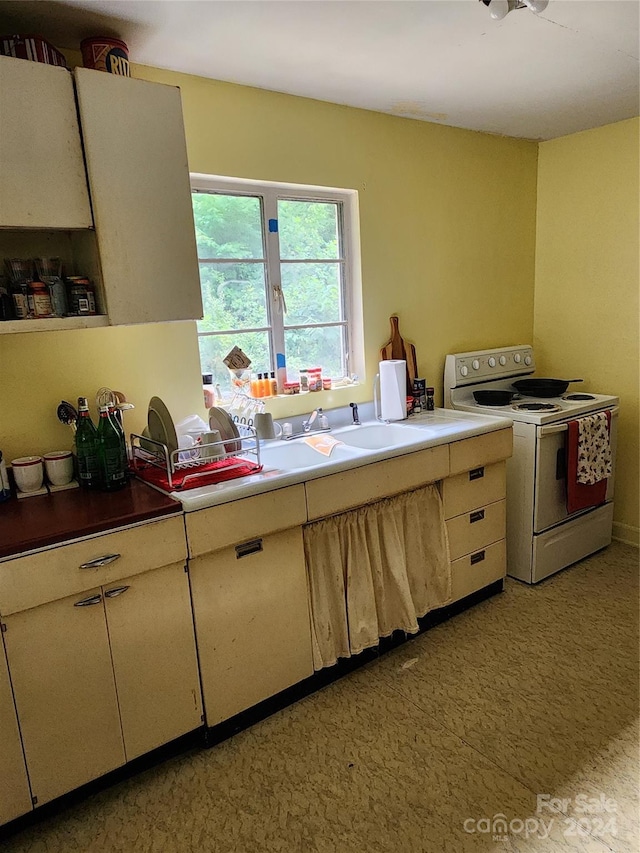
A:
457, 741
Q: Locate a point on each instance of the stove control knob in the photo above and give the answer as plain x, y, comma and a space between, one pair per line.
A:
527, 360
464, 370
503, 360
517, 358
475, 364
492, 362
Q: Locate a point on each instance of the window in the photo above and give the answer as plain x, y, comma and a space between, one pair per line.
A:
277, 276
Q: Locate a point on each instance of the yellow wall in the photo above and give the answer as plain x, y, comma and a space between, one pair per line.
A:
586, 288
447, 231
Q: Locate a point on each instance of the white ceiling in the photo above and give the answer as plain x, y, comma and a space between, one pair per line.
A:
572, 67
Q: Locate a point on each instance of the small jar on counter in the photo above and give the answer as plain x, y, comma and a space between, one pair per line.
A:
291, 387
327, 383
304, 380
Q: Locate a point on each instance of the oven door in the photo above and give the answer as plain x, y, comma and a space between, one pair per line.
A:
550, 489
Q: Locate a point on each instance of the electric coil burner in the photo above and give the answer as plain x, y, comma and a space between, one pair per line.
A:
542, 537
536, 407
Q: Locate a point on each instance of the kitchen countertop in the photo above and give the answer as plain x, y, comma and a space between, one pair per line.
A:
442, 426
38, 522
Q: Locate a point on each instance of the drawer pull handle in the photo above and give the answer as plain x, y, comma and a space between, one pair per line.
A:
253, 547
100, 561
477, 558
118, 590
478, 515
87, 602
476, 474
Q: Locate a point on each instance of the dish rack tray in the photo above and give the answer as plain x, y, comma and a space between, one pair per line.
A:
186, 468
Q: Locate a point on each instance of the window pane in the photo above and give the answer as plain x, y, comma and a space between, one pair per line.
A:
308, 229
233, 296
315, 348
227, 226
213, 348
312, 293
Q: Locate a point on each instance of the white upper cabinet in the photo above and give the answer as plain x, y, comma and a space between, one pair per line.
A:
136, 161
42, 175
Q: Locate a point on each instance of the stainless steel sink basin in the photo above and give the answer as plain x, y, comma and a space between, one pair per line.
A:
379, 436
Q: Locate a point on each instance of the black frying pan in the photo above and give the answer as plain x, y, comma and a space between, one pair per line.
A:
493, 397
543, 387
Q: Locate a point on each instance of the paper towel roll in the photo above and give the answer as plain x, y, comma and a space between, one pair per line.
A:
393, 389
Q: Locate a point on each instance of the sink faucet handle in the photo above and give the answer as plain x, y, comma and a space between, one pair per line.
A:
354, 412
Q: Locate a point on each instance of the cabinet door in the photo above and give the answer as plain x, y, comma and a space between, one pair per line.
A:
154, 657
139, 179
15, 797
43, 182
65, 693
252, 622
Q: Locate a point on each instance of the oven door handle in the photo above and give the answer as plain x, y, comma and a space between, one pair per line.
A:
552, 429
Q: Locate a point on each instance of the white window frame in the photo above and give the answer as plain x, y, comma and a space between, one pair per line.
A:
271, 192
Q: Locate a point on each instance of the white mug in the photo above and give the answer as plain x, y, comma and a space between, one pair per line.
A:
28, 473
59, 467
265, 427
210, 438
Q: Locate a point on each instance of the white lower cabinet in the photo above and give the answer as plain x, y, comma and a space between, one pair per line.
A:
15, 796
65, 693
252, 622
154, 658
103, 676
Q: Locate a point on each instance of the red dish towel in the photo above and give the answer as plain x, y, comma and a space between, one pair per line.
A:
580, 496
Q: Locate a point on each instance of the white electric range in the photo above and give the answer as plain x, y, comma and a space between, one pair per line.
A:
542, 537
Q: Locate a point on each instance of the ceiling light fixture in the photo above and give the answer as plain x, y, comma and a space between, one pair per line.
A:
499, 9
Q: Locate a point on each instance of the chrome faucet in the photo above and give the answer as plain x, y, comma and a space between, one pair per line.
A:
354, 412
306, 425
316, 414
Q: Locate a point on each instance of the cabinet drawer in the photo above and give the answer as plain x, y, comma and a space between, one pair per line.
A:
477, 528
481, 450
249, 518
359, 486
479, 569
474, 489
56, 573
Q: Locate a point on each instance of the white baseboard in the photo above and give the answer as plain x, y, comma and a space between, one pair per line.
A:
626, 533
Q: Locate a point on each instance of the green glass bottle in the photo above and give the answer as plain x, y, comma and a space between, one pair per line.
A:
87, 448
115, 418
113, 473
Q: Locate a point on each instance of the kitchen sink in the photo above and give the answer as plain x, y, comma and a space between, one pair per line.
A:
295, 455
379, 436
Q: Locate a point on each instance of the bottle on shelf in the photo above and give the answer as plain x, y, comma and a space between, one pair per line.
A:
112, 465
274, 384
87, 448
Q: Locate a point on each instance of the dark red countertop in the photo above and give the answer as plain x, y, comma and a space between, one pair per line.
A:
48, 519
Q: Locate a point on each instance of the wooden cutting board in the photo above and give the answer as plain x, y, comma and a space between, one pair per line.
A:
397, 347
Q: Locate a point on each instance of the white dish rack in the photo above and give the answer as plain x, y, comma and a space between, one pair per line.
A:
246, 452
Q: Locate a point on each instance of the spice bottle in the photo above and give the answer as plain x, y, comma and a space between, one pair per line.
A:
304, 380
430, 401
39, 299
